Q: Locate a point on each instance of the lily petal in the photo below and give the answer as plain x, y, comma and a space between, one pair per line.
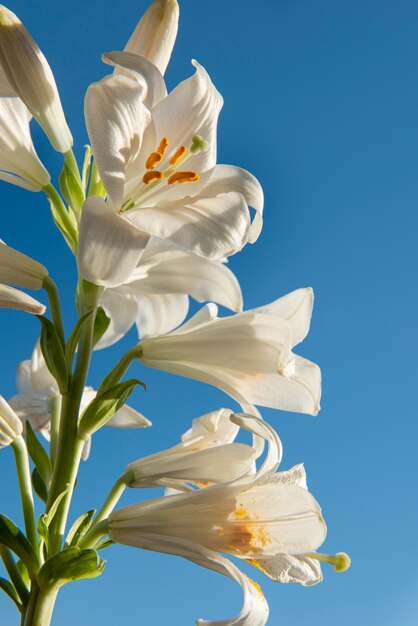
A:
108, 247
127, 417
285, 568
14, 299
296, 308
122, 309
159, 314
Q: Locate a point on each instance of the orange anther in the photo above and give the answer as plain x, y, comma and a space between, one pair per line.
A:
153, 160
163, 146
183, 177
150, 176
177, 155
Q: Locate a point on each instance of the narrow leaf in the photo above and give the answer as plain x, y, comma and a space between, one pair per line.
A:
79, 528
38, 455
54, 508
39, 485
14, 539
71, 345
53, 353
101, 324
70, 564
9, 589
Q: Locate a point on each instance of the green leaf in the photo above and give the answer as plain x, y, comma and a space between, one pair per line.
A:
101, 324
43, 528
9, 589
86, 168
39, 485
53, 353
103, 407
38, 455
14, 539
79, 528
104, 543
71, 564
71, 345
54, 508
70, 237
71, 189
23, 571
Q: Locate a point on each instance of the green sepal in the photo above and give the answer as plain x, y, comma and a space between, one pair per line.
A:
71, 345
71, 564
103, 407
53, 353
8, 588
13, 538
39, 486
79, 528
38, 455
71, 189
101, 324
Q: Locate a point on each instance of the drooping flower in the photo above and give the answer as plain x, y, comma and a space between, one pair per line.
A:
19, 269
11, 298
19, 163
156, 155
247, 355
25, 72
37, 388
10, 424
155, 297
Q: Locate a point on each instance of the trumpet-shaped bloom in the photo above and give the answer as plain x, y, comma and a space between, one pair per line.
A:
37, 388
11, 298
10, 424
205, 455
156, 155
155, 33
25, 72
18, 269
19, 163
247, 355
156, 296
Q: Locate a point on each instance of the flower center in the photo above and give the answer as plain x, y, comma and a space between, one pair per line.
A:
172, 175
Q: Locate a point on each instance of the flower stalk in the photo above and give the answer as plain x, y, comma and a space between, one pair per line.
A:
25, 486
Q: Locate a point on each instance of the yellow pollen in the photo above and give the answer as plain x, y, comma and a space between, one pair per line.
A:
150, 176
202, 483
163, 146
257, 564
177, 155
241, 513
183, 177
153, 160
256, 586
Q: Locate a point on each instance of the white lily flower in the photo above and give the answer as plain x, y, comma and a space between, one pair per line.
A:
247, 355
10, 424
25, 73
155, 297
158, 166
11, 298
205, 455
19, 163
155, 33
19, 269
37, 388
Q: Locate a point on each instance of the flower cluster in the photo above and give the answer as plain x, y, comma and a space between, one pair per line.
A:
151, 219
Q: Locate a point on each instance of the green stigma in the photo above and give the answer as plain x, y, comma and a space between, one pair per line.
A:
198, 145
340, 561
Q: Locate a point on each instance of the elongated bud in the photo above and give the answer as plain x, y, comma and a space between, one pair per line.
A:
26, 74
20, 270
10, 424
15, 299
156, 32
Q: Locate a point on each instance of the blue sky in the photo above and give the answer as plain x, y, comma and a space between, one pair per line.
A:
321, 104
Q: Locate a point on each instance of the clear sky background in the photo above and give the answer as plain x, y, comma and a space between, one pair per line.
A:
321, 104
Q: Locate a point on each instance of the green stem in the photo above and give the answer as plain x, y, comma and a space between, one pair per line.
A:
120, 368
67, 227
94, 534
113, 497
55, 404
14, 574
25, 486
40, 607
72, 164
54, 303
69, 445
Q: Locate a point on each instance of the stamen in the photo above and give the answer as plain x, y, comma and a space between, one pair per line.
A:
163, 146
183, 177
150, 176
177, 155
153, 160
340, 561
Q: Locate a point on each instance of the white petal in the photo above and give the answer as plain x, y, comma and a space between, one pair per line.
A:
122, 309
86, 449
108, 247
231, 178
116, 119
159, 314
14, 299
138, 67
41, 378
10, 424
210, 227
296, 308
155, 34
20, 270
166, 268
260, 428
285, 568
127, 417
212, 429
